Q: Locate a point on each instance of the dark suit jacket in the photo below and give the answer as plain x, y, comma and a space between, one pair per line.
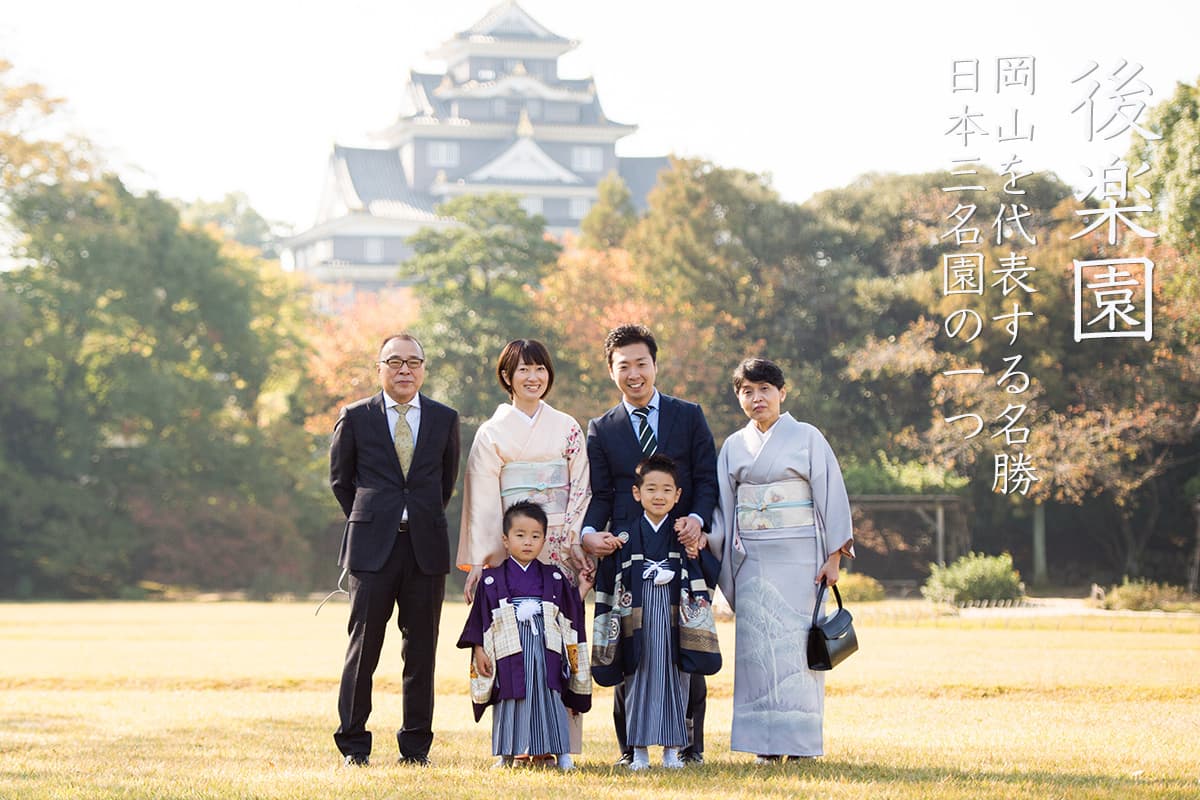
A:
614, 453
364, 472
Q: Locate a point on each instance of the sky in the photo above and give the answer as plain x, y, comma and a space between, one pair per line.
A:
199, 99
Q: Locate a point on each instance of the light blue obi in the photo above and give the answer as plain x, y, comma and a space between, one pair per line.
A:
783, 504
546, 483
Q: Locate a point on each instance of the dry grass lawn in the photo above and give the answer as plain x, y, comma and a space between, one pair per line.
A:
237, 700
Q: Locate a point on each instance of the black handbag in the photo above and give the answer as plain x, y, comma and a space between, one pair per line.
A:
831, 641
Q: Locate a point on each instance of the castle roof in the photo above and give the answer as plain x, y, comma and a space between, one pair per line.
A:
509, 21
523, 161
373, 180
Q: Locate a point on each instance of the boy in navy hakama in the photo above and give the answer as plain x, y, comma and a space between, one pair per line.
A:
654, 623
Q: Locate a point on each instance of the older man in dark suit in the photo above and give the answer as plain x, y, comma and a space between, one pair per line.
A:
393, 462
643, 423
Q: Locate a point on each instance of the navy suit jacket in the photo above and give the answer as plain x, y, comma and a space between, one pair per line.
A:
365, 474
614, 453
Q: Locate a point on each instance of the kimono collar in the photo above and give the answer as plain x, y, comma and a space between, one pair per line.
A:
756, 439
651, 524
509, 411
524, 567
521, 414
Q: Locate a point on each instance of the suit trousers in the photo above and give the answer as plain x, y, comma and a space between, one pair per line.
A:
418, 600
697, 704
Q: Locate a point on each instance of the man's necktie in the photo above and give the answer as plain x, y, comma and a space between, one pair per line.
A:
645, 432
404, 438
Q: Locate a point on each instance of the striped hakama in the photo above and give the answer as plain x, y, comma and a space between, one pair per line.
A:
656, 694
536, 724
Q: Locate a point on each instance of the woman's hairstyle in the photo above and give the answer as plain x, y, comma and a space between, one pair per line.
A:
525, 508
623, 335
655, 463
758, 370
531, 351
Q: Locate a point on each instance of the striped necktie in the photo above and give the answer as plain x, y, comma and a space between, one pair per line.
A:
404, 438
645, 432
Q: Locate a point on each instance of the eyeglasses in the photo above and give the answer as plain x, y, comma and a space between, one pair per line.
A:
394, 364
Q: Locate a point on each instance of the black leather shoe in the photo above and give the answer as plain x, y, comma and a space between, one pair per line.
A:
691, 757
624, 761
356, 760
414, 761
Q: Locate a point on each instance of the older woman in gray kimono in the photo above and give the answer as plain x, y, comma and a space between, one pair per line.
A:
783, 524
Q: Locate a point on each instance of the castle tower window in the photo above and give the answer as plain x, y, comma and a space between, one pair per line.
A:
580, 206
532, 205
587, 158
373, 250
443, 154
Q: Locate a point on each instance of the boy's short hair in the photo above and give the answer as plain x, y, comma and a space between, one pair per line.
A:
656, 463
531, 351
525, 508
758, 370
623, 335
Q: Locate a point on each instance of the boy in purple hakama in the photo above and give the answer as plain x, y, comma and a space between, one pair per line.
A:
525, 630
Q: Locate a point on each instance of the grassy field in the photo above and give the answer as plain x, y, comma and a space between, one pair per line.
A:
237, 700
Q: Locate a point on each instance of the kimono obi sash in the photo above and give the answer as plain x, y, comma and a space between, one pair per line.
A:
544, 482
783, 504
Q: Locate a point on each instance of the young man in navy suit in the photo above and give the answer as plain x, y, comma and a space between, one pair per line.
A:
645, 422
393, 462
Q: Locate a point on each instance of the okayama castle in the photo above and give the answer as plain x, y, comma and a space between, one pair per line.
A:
499, 119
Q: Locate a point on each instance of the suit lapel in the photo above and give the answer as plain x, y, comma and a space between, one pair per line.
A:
622, 428
424, 439
667, 408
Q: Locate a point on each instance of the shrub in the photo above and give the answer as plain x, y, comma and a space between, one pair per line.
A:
972, 578
1143, 595
858, 588
885, 476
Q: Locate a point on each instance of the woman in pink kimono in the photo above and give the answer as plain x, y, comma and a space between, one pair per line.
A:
783, 523
527, 451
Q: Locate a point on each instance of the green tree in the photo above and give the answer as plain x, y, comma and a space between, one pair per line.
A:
611, 218
236, 219
1173, 163
474, 285
759, 271
135, 438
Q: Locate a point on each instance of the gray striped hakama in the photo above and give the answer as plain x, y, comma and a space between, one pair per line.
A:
656, 694
536, 724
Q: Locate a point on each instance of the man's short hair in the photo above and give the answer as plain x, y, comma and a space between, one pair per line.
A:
406, 336
624, 335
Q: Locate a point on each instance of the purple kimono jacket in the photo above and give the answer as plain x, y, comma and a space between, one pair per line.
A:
506, 582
